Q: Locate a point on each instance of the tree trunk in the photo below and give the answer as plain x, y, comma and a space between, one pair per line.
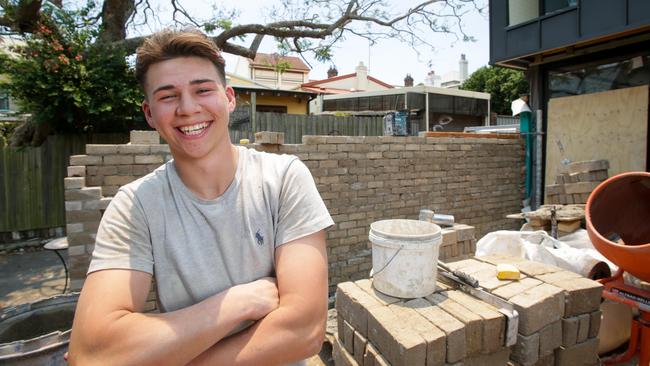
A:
115, 14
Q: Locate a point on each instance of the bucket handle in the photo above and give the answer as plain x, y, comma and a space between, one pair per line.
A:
387, 263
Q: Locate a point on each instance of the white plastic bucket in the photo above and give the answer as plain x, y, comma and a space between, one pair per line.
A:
405, 257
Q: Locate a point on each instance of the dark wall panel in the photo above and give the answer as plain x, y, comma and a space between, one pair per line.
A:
560, 29
498, 23
600, 17
523, 39
639, 12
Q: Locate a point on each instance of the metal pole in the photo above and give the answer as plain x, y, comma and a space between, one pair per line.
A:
253, 108
538, 160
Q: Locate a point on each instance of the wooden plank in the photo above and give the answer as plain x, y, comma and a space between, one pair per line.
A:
472, 135
611, 125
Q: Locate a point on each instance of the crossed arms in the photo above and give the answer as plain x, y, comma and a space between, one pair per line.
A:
290, 315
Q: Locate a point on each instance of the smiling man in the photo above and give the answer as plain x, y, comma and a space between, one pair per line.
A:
234, 237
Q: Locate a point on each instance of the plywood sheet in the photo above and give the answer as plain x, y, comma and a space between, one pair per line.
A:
610, 125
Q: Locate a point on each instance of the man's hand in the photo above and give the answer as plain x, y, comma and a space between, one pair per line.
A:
262, 297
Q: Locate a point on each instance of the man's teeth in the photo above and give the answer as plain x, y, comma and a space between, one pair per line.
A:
194, 129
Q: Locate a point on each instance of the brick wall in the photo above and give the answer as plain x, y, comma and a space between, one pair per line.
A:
361, 180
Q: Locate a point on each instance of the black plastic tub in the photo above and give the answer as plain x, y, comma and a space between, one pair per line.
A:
37, 333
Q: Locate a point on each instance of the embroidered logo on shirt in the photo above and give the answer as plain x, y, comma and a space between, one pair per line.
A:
259, 238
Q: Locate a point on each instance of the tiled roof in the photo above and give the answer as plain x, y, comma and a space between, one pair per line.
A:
270, 60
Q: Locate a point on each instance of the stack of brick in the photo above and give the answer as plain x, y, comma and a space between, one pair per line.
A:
559, 319
579, 180
361, 179
458, 242
447, 327
559, 314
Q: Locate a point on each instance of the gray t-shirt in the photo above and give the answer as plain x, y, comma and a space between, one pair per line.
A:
197, 248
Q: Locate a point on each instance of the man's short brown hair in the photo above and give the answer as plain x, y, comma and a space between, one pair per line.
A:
169, 44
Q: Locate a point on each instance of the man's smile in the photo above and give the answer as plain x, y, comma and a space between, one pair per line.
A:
195, 129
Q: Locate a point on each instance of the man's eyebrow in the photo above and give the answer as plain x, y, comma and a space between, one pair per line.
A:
193, 82
201, 81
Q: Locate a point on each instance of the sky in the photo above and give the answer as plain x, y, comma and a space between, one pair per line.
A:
387, 60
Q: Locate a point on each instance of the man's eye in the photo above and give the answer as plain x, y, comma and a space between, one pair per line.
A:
167, 97
204, 91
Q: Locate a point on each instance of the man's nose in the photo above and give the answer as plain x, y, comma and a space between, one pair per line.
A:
187, 105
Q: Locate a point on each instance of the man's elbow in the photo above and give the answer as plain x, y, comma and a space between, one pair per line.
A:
314, 342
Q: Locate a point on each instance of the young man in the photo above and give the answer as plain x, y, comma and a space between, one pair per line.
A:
233, 236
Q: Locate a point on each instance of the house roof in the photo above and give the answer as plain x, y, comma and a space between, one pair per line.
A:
270, 60
316, 83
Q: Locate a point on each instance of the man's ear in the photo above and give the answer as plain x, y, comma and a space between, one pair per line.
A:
146, 109
232, 100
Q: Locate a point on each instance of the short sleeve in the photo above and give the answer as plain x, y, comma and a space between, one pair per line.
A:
301, 209
123, 238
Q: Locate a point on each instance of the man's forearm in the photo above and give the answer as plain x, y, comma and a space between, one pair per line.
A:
284, 336
173, 338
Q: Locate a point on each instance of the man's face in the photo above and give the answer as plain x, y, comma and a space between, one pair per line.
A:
188, 106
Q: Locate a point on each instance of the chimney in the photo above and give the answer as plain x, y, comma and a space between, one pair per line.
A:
408, 80
462, 72
362, 77
332, 72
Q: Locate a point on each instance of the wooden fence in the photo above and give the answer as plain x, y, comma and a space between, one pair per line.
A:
31, 180
295, 126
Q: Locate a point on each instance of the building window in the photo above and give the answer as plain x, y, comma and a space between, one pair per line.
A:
602, 76
4, 101
271, 108
555, 5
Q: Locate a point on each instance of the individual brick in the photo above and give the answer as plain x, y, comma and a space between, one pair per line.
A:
582, 294
579, 188
516, 288
594, 323
144, 137
340, 355
588, 166
77, 171
159, 149
432, 335
526, 351
452, 327
83, 194
267, 137
494, 323
570, 327
550, 338
473, 322
118, 180
449, 237
82, 216
359, 347
73, 205
400, 345
85, 160
538, 307
347, 336
98, 149
74, 182
118, 159
581, 354
372, 357
149, 159
134, 149
583, 327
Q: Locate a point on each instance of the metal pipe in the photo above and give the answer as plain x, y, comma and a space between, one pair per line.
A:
538, 161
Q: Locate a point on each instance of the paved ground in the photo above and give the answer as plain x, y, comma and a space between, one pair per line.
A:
29, 276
